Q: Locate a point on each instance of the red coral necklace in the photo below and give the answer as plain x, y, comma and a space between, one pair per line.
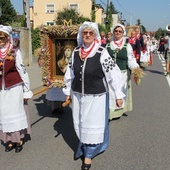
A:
4, 54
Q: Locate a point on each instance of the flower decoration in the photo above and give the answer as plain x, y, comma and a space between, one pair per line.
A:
116, 50
10, 55
56, 83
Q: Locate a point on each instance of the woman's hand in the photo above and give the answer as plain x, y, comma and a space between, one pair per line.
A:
68, 97
119, 102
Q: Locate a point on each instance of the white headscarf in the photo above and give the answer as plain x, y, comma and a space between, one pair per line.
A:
6, 29
91, 25
122, 26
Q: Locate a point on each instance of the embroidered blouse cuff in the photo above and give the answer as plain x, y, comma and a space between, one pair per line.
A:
66, 91
28, 94
119, 94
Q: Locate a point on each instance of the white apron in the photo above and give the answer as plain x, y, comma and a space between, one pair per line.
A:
12, 113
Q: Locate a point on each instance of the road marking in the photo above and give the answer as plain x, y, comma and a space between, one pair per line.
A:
162, 59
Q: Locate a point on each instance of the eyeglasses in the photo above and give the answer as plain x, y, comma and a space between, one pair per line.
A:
90, 32
119, 31
2, 38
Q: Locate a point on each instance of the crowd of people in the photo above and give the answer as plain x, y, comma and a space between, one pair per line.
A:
97, 79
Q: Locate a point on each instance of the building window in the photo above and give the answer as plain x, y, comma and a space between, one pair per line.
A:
74, 6
49, 23
49, 8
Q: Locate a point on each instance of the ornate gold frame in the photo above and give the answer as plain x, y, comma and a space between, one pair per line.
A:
48, 36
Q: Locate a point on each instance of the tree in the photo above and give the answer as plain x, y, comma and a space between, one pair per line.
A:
143, 29
93, 16
9, 14
35, 36
68, 14
109, 19
138, 22
159, 33
112, 9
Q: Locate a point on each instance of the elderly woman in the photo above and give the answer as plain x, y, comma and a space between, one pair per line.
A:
14, 93
90, 71
122, 54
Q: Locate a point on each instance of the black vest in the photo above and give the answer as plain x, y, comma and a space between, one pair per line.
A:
89, 77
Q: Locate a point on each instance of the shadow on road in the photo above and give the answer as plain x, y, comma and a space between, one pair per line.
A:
154, 71
64, 127
64, 124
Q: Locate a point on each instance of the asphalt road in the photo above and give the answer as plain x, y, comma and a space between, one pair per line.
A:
140, 140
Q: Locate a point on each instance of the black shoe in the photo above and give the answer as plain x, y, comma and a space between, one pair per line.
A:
18, 148
9, 147
86, 166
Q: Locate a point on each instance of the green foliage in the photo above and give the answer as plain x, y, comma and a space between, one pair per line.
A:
109, 19
67, 14
9, 14
159, 33
93, 16
143, 29
22, 20
112, 9
101, 28
35, 35
138, 22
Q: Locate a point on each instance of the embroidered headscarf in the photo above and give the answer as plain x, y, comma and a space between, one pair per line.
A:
91, 25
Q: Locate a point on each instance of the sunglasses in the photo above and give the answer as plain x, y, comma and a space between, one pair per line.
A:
88, 32
2, 38
119, 31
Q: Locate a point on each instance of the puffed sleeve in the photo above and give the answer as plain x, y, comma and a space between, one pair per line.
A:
23, 74
131, 58
68, 77
112, 73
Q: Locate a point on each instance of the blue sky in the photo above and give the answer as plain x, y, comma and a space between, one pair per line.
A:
153, 14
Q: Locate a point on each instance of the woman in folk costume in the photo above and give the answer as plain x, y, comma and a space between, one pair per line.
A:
90, 71
135, 43
145, 53
14, 93
161, 48
149, 50
167, 54
122, 53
